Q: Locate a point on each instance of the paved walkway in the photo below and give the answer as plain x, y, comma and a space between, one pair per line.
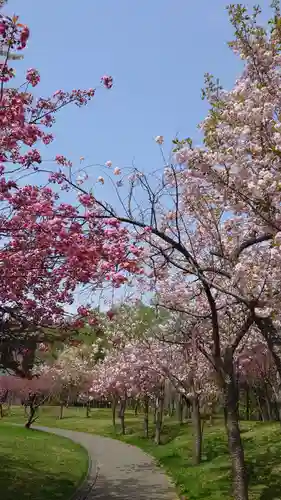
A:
118, 471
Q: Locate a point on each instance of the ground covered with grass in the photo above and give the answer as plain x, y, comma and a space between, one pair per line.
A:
211, 479
37, 465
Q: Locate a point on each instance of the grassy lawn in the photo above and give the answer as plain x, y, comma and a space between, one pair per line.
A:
210, 480
38, 465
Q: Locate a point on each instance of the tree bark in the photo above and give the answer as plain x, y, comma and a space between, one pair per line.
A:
154, 412
275, 410
180, 410
259, 407
268, 404
197, 430
159, 408
247, 403
4, 399
9, 402
136, 408
61, 411
273, 340
145, 418
114, 404
122, 415
68, 401
31, 417
187, 413
171, 408
240, 480
264, 407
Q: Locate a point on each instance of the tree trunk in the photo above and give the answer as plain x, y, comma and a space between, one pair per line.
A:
154, 413
259, 408
159, 408
240, 482
225, 417
9, 402
268, 404
61, 411
277, 398
31, 419
4, 399
114, 404
122, 415
264, 407
276, 411
267, 410
145, 418
278, 404
187, 413
197, 430
171, 408
136, 408
247, 403
88, 409
272, 337
180, 410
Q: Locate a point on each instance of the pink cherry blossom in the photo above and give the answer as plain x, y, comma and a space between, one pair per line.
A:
47, 251
107, 81
33, 77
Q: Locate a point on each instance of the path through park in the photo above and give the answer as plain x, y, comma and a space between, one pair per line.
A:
118, 471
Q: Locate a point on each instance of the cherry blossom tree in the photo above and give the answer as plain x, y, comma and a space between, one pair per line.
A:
144, 368
182, 243
4, 393
33, 392
46, 249
177, 357
182, 246
213, 247
126, 372
70, 373
258, 378
215, 243
241, 155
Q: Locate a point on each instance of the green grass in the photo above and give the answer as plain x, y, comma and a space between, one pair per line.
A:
38, 465
212, 479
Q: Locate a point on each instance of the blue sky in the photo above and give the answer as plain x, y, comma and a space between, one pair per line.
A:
157, 52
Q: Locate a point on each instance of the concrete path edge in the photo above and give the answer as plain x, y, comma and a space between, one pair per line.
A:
99, 476
86, 484
89, 481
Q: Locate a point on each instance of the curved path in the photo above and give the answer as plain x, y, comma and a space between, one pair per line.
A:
118, 471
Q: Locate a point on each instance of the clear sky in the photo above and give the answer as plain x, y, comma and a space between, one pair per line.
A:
156, 50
